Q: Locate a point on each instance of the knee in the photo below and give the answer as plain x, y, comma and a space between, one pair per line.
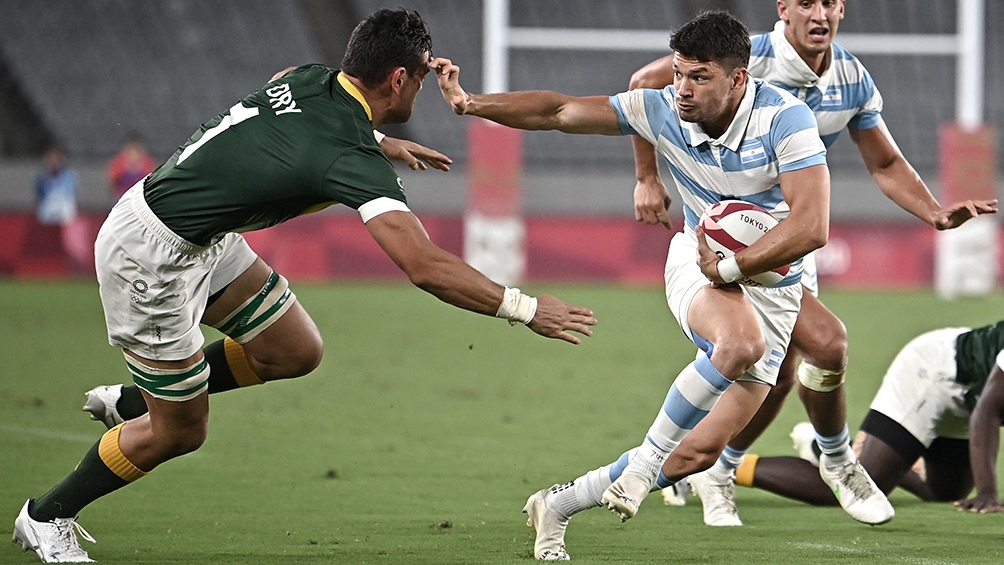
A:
828, 349
736, 356
307, 356
287, 360
180, 440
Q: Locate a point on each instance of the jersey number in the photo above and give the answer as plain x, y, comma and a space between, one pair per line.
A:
238, 113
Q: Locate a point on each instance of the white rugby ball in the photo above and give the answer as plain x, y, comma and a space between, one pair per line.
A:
733, 225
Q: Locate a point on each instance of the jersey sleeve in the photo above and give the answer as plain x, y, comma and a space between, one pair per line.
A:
642, 112
869, 114
795, 139
363, 179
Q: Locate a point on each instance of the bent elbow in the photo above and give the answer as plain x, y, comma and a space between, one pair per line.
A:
818, 238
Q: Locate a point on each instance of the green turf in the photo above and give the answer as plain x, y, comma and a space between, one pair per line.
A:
424, 430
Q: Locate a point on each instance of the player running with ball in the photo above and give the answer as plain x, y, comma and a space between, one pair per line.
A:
800, 57
704, 124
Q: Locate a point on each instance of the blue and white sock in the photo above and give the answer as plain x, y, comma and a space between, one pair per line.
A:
837, 448
725, 467
693, 394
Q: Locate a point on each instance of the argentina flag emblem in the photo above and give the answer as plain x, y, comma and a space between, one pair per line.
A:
832, 97
752, 151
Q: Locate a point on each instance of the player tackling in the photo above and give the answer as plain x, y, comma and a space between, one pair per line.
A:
170, 256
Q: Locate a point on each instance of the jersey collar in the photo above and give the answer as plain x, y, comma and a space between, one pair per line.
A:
355, 93
792, 70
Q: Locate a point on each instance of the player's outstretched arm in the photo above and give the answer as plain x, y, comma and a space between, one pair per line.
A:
529, 110
651, 199
448, 278
900, 182
414, 155
984, 442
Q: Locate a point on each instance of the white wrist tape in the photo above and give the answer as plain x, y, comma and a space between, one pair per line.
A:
517, 307
728, 269
379, 136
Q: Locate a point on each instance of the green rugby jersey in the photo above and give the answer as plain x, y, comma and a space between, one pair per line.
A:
298, 144
975, 354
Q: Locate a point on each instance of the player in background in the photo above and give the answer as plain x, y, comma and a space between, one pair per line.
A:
800, 57
704, 124
170, 255
933, 427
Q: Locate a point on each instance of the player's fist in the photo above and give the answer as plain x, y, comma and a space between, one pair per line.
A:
448, 76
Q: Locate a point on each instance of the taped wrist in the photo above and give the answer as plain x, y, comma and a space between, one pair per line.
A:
728, 269
517, 307
379, 136
819, 380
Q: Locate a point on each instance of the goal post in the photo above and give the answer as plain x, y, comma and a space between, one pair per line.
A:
965, 143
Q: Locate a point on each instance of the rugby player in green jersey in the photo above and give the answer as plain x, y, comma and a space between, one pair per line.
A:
170, 256
932, 429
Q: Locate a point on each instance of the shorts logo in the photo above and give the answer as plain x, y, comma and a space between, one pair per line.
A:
139, 287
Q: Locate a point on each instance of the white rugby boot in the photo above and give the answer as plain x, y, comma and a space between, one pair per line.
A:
549, 524
857, 492
53, 542
676, 493
718, 499
803, 439
101, 403
624, 496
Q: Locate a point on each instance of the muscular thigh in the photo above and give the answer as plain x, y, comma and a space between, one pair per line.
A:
286, 334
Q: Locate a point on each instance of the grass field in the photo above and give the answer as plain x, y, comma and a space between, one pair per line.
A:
420, 436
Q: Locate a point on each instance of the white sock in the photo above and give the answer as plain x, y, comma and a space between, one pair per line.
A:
586, 491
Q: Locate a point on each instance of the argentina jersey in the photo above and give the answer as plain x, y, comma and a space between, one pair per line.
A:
772, 133
845, 95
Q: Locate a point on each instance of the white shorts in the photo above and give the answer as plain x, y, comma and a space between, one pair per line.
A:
154, 285
920, 392
810, 274
777, 308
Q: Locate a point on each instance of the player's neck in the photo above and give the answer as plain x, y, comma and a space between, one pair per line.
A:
376, 103
818, 62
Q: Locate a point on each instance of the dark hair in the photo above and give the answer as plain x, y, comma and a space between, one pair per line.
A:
714, 36
385, 40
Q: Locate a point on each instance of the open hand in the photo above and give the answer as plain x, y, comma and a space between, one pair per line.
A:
961, 212
414, 155
555, 318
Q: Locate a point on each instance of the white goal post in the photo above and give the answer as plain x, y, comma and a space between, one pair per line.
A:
966, 45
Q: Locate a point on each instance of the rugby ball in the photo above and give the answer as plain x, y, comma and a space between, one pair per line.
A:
733, 225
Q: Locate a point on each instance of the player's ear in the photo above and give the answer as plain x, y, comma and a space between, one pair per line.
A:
739, 78
397, 79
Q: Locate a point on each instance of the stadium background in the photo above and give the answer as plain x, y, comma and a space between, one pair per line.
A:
85, 74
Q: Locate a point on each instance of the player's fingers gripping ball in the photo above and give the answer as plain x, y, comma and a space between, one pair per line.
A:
733, 225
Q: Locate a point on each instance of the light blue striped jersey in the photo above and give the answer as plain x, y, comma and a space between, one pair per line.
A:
845, 95
772, 133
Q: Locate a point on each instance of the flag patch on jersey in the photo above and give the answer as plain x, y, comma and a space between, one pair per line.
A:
752, 151
832, 97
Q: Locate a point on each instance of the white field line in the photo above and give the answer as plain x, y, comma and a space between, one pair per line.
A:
51, 434
871, 552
